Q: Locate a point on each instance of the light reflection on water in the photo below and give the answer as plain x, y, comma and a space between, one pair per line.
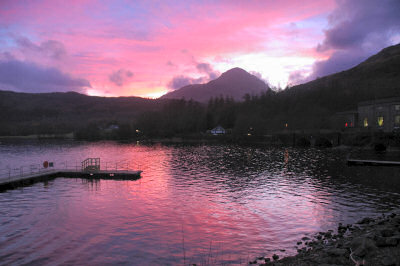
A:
204, 204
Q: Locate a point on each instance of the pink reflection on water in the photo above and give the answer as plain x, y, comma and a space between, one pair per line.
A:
190, 202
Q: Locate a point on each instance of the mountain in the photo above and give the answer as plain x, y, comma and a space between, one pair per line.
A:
315, 103
39, 113
377, 77
234, 83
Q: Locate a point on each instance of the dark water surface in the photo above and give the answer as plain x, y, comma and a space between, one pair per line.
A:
204, 204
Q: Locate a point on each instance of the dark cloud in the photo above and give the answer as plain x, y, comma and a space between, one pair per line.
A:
297, 77
120, 76
52, 49
259, 75
180, 81
204, 67
357, 23
6, 56
340, 60
207, 69
170, 63
30, 77
357, 30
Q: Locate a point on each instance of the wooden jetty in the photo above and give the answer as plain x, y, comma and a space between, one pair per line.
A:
372, 162
90, 170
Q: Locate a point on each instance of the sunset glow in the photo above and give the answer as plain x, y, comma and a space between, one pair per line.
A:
137, 48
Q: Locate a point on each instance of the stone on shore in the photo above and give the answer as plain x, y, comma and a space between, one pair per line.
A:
368, 242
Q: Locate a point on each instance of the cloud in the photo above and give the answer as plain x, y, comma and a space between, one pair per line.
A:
120, 77
50, 48
30, 77
170, 63
358, 29
361, 23
180, 81
259, 75
206, 68
340, 60
298, 77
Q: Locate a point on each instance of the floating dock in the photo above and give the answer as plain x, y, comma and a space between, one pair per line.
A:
16, 181
372, 162
90, 170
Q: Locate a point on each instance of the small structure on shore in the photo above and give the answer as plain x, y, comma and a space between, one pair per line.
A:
382, 115
219, 130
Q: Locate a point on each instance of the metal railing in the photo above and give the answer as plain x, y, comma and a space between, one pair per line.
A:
27, 170
91, 164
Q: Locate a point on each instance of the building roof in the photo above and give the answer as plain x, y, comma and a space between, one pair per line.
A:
217, 128
351, 112
380, 101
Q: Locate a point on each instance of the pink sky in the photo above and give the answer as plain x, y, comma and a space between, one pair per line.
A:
125, 48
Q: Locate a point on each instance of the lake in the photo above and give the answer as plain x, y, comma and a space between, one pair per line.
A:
203, 204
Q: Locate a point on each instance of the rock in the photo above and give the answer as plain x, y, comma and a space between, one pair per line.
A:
365, 221
387, 232
267, 259
361, 246
386, 241
275, 257
388, 261
336, 252
299, 243
305, 238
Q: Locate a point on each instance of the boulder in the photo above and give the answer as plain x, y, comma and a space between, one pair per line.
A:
362, 246
336, 252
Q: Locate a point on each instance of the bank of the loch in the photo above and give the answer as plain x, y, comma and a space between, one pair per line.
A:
371, 241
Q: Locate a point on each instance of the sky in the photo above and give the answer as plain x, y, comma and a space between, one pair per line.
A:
148, 48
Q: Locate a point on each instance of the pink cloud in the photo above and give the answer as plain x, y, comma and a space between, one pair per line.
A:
99, 37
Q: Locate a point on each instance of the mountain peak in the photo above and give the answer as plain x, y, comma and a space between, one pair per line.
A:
235, 83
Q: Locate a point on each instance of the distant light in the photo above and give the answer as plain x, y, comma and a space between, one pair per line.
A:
137, 130
365, 122
346, 125
286, 125
380, 121
248, 134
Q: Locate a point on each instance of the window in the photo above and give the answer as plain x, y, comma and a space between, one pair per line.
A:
397, 120
380, 121
397, 107
365, 122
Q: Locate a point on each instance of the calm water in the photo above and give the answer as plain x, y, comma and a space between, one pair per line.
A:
204, 204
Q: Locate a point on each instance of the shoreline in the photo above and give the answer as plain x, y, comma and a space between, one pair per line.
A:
370, 241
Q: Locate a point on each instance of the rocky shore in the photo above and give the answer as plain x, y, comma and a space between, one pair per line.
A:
370, 241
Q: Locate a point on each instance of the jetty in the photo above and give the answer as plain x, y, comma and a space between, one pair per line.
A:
89, 169
372, 162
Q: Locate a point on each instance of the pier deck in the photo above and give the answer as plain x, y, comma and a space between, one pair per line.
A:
372, 162
21, 180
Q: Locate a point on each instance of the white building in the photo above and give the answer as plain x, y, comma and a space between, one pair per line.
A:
218, 131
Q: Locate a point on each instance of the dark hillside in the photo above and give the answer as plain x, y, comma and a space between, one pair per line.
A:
39, 113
